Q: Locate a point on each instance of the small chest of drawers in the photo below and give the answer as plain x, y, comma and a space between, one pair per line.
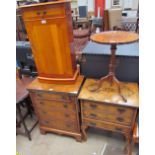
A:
56, 107
105, 109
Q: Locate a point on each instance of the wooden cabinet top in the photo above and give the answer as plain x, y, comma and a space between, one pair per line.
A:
46, 3
109, 94
57, 88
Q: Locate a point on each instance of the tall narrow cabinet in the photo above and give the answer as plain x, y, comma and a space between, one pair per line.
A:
49, 28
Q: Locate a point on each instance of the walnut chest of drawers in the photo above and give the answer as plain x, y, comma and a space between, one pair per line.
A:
56, 107
105, 109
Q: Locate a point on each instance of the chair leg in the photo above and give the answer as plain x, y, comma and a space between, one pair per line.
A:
23, 122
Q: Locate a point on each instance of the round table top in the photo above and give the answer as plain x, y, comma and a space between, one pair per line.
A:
115, 37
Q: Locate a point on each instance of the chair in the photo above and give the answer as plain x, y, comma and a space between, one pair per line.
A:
81, 31
114, 20
24, 58
22, 101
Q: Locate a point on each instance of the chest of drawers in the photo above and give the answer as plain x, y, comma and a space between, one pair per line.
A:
105, 109
56, 107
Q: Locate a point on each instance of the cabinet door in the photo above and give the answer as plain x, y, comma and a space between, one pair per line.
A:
51, 46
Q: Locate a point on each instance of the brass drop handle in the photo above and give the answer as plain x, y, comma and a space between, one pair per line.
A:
38, 13
69, 99
44, 12
64, 97
42, 103
68, 125
118, 129
39, 95
92, 124
120, 119
43, 112
46, 122
93, 106
65, 105
93, 115
66, 115
120, 110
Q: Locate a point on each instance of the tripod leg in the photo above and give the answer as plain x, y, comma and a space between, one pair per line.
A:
98, 84
119, 91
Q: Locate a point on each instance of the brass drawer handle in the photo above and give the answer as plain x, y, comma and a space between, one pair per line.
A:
120, 119
66, 115
41, 103
121, 110
38, 13
46, 122
44, 12
92, 115
39, 95
44, 112
93, 106
92, 124
65, 106
68, 125
64, 97
118, 129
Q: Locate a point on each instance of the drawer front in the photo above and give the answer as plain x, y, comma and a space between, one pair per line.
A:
106, 125
106, 116
44, 12
116, 110
52, 97
57, 114
60, 125
50, 105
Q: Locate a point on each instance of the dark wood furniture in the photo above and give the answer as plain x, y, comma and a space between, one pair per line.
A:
49, 29
22, 96
105, 109
56, 106
106, 26
113, 38
95, 55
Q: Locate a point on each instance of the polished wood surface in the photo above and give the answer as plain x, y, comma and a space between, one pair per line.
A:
49, 28
105, 108
70, 88
57, 108
106, 125
46, 3
115, 37
109, 94
136, 133
21, 91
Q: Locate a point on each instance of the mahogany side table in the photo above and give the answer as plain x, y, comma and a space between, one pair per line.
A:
113, 38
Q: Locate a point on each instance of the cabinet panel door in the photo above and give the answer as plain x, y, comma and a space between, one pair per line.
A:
51, 47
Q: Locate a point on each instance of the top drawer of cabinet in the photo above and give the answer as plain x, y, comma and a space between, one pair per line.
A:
53, 97
44, 12
105, 108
